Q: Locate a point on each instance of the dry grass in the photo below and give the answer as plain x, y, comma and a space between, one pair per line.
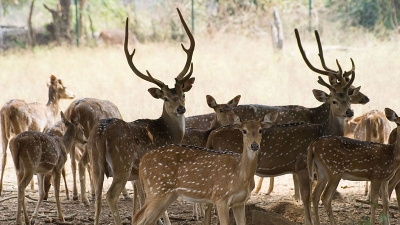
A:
224, 67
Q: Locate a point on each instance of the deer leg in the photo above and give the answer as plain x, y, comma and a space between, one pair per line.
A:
375, 186
65, 182
259, 184
73, 168
23, 182
56, 184
271, 185
296, 188
116, 187
223, 213
305, 192
316, 195
385, 201
366, 192
47, 185
207, 214
98, 179
32, 184
153, 208
92, 188
4, 159
239, 213
327, 196
42, 193
394, 184
82, 163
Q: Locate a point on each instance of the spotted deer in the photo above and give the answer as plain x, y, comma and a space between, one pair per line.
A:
224, 116
372, 126
88, 112
335, 158
202, 175
17, 116
284, 147
116, 37
116, 147
291, 113
43, 154
197, 137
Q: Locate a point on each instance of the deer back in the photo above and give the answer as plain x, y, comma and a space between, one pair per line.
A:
39, 151
374, 127
88, 111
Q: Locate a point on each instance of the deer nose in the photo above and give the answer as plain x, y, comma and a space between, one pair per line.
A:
349, 113
181, 109
254, 146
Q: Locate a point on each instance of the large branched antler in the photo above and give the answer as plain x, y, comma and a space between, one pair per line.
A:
303, 54
184, 75
129, 58
342, 78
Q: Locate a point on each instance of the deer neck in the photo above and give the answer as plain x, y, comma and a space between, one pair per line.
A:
68, 140
397, 147
174, 125
248, 164
334, 125
321, 113
52, 103
215, 124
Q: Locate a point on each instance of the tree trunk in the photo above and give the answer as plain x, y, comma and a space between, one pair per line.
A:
31, 34
60, 28
65, 22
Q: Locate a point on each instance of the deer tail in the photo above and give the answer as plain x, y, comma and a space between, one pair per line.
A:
310, 160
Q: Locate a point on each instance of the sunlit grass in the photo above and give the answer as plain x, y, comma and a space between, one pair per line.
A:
224, 67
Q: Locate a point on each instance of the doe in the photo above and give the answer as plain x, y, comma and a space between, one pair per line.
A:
335, 158
43, 154
202, 175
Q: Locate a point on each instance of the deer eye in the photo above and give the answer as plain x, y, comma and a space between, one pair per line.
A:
244, 131
260, 131
334, 102
166, 99
221, 110
183, 96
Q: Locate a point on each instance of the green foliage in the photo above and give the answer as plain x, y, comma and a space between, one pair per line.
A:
369, 14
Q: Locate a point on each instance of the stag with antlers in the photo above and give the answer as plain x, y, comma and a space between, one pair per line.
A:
116, 147
17, 116
291, 113
284, 147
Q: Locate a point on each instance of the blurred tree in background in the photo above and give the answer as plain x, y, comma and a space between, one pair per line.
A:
156, 20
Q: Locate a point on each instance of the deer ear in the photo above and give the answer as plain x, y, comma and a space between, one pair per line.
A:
235, 101
63, 119
320, 95
353, 91
155, 92
188, 84
236, 119
211, 101
391, 115
270, 117
53, 80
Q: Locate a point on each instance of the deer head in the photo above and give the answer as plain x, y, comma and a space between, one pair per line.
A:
174, 98
340, 78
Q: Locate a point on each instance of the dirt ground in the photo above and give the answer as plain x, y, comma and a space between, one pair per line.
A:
277, 208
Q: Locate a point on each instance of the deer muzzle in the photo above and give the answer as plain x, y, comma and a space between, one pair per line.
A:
349, 113
181, 109
255, 146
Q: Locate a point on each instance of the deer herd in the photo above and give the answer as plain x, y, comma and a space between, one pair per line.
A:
208, 159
